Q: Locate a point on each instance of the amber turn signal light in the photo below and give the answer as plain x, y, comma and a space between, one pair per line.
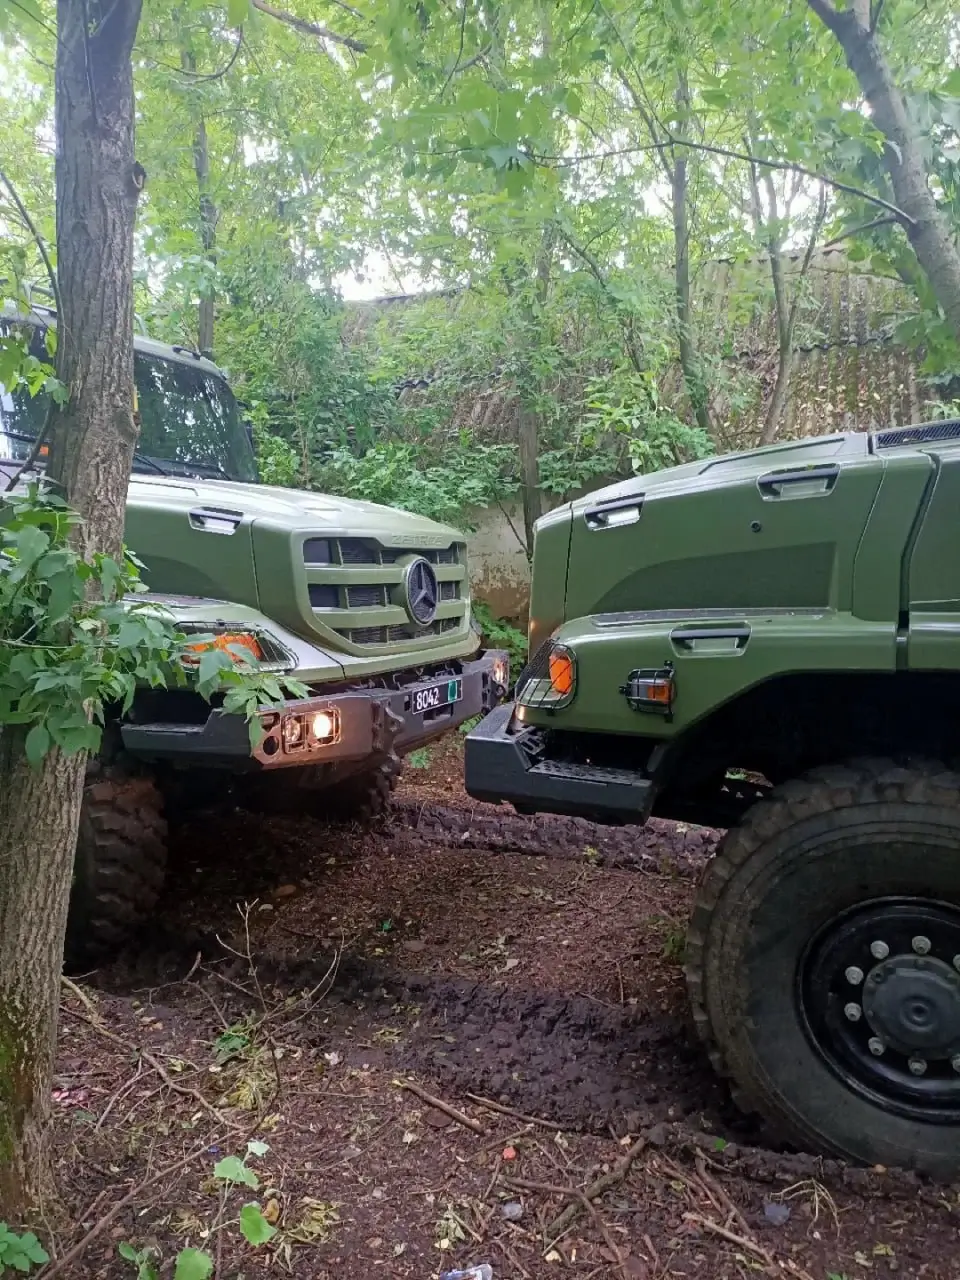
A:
229, 642
562, 673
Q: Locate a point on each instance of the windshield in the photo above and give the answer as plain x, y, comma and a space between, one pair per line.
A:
189, 421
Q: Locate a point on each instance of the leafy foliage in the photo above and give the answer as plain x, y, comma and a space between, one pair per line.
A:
20, 1253
75, 641
498, 633
197, 1264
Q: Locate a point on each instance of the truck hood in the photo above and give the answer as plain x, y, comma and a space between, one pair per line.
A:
774, 527
295, 508
729, 468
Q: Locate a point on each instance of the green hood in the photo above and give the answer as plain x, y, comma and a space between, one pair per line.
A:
330, 569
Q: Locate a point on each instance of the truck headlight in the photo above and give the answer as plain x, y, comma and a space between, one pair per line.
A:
501, 670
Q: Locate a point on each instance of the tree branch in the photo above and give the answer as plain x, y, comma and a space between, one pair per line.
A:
310, 28
884, 221
783, 166
38, 239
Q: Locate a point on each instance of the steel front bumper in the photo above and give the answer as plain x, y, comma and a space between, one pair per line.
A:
364, 723
505, 761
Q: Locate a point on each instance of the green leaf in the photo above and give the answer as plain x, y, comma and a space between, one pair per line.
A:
37, 744
238, 11
257, 1148
127, 1251
256, 1229
233, 1169
193, 1264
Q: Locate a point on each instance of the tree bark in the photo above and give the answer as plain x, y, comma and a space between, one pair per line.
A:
208, 237
97, 184
926, 228
529, 428
689, 358
208, 222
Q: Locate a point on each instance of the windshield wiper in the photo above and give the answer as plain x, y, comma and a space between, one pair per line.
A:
151, 463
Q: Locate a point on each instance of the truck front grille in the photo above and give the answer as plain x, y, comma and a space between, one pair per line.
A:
357, 590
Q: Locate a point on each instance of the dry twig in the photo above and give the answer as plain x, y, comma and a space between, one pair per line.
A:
597, 1188
438, 1104
510, 1111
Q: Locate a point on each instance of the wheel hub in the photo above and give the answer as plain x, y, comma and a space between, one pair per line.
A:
913, 1005
879, 990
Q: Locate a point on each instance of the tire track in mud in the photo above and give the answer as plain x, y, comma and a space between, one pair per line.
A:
571, 1059
657, 846
590, 1067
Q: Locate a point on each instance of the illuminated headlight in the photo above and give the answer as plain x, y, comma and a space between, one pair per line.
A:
310, 730
501, 670
325, 726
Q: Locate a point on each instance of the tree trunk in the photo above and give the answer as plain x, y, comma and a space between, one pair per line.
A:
97, 183
39, 812
208, 237
926, 228
529, 428
208, 223
689, 359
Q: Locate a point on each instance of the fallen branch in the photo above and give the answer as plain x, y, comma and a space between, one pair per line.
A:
580, 1198
597, 1188
511, 1111
60, 1265
726, 1234
128, 1046
438, 1104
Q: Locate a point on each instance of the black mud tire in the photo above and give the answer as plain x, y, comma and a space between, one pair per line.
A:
365, 797
119, 868
821, 845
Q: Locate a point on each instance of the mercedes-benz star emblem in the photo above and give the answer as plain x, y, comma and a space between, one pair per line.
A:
422, 591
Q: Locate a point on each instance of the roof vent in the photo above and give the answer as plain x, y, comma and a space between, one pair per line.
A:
924, 433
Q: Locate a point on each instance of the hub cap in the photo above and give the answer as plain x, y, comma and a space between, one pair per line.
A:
879, 993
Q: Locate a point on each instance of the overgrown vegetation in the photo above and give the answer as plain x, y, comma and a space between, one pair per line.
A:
75, 642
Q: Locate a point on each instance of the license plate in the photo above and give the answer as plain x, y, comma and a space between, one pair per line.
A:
436, 695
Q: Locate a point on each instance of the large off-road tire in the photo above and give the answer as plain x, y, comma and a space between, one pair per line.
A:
822, 963
363, 797
119, 868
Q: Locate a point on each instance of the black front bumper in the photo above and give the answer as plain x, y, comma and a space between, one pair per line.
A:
370, 723
505, 761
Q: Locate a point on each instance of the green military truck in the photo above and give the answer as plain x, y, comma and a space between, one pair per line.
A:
367, 606
769, 643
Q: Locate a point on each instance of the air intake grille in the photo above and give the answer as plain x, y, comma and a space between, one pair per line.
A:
405, 631
923, 433
351, 580
366, 597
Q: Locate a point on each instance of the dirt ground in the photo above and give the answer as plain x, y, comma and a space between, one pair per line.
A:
314, 990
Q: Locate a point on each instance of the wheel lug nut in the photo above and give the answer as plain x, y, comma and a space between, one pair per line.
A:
876, 1046
956, 962
955, 1062
879, 950
854, 975
921, 945
853, 1012
918, 1066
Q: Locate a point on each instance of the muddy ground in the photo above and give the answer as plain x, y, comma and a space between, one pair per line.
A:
313, 988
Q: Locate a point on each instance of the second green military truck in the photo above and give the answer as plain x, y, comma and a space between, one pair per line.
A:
769, 643
366, 606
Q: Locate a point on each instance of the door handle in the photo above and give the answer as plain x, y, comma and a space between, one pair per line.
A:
717, 640
613, 513
773, 484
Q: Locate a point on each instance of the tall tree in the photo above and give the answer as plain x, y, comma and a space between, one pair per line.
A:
857, 30
97, 186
